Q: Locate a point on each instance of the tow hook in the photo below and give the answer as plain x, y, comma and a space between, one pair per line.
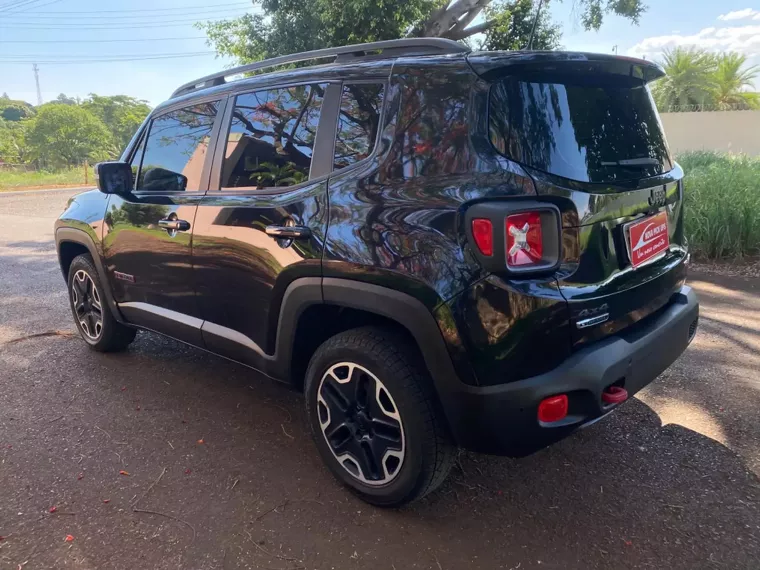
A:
614, 395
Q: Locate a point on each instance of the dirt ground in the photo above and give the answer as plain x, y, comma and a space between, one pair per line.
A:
165, 457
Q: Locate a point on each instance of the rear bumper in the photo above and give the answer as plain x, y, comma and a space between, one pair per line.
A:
502, 419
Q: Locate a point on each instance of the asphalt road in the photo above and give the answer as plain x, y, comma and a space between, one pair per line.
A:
222, 473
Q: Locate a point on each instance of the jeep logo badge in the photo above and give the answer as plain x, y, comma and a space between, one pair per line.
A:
658, 197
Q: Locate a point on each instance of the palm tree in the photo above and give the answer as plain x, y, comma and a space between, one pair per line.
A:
690, 78
730, 81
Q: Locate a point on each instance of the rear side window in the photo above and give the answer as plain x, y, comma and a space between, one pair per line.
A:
271, 138
175, 149
358, 122
588, 132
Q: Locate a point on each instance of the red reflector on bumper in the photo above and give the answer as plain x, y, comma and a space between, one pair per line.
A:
553, 409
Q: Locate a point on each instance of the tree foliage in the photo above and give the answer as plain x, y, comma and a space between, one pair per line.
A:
700, 79
64, 135
59, 137
121, 114
731, 78
15, 110
512, 24
288, 26
13, 147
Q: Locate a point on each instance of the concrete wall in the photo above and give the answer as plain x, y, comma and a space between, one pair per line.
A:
734, 131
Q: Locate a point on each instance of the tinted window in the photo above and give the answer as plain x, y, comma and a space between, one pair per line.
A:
358, 123
271, 137
176, 149
137, 157
589, 133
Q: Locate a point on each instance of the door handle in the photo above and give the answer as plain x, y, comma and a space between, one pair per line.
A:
174, 225
288, 232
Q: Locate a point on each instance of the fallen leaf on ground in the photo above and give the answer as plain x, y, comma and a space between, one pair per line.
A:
69, 538
106, 501
628, 542
53, 509
80, 476
200, 442
137, 408
187, 472
125, 473
123, 388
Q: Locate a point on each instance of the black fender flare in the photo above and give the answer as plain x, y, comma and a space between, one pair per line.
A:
399, 307
74, 235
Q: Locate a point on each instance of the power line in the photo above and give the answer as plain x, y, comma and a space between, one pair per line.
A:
176, 8
22, 10
80, 18
74, 56
17, 4
99, 41
109, 26
111, 60
148, 20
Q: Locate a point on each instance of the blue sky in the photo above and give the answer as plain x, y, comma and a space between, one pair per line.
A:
52, 32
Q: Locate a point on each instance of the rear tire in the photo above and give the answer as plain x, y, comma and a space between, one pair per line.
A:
93, 318
375, 418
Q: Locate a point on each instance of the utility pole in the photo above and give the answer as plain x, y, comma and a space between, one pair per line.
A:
37, 81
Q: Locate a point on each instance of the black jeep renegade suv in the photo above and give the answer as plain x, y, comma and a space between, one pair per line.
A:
441, 248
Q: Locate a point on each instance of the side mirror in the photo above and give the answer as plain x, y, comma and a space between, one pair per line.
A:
114, 177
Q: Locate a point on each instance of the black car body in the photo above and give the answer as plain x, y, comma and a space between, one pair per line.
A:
251, 229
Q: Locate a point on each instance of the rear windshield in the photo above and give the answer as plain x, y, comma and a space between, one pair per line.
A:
585, 132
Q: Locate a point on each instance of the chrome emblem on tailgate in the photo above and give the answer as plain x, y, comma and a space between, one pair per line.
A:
658, 197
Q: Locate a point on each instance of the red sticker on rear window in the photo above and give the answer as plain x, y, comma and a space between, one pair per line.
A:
648, 238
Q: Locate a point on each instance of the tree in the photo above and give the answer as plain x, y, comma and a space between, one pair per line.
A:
15, 110
512, 24
13, 148
288, 26
122, 115
690, 78
65, 135
729, 81
66, 100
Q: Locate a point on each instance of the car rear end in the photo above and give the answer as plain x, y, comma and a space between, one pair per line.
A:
596, 256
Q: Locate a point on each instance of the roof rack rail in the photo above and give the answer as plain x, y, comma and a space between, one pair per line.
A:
388, 48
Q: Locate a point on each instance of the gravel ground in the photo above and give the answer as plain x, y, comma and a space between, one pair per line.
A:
166, 457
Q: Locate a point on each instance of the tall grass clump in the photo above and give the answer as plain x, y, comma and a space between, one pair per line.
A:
722, 194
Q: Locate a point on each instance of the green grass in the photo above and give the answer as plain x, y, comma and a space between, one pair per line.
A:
13, 179
722, 204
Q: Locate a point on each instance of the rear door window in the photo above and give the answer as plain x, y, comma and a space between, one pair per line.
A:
271, 138
588, 132
358, 123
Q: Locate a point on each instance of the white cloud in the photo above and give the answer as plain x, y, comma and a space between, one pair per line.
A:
742, 39
740, 15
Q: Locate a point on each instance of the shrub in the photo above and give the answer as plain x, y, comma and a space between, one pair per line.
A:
722, 194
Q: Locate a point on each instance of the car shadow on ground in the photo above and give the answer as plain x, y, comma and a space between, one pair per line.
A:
243, 486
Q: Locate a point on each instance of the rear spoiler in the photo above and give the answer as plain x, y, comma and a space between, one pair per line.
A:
498, 64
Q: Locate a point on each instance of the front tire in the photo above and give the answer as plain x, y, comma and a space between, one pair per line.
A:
375, 418
93, 318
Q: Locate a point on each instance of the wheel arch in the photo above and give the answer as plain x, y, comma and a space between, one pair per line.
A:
383, 306
72, 242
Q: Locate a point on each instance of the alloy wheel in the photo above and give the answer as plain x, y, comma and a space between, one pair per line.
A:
87, 305
361, 423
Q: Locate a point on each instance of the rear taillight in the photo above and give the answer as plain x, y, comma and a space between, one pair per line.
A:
482, 233
525, 244
514, 237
